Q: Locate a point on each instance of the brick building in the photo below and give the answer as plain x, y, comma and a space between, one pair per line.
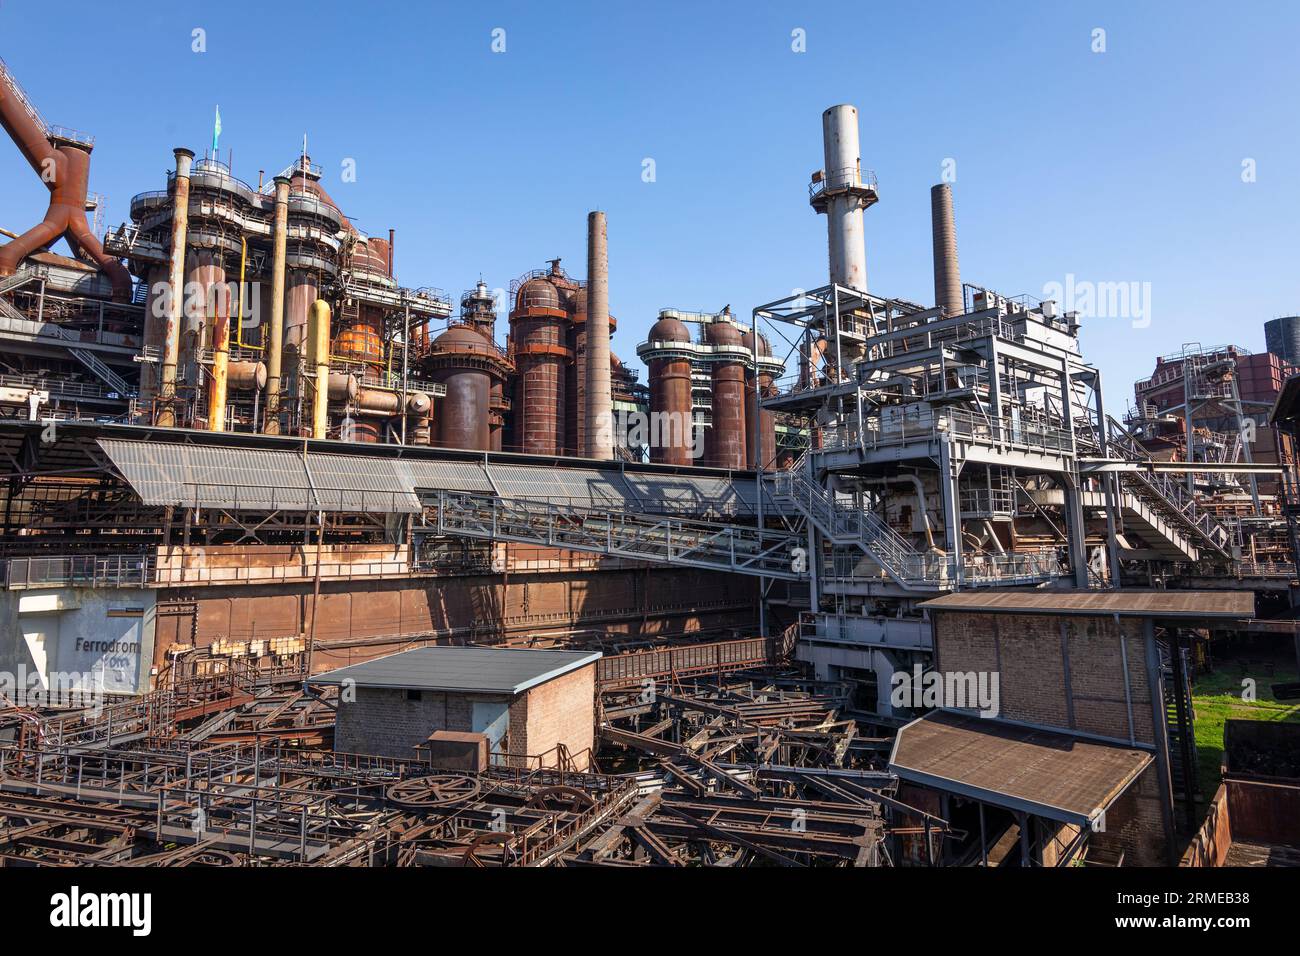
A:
1077, 755
534, 706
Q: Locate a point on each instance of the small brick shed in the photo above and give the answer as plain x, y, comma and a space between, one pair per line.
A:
528, 702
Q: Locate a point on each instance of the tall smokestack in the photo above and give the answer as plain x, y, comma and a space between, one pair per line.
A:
166, 416
947, 273
843, 195
274, 340
600, 402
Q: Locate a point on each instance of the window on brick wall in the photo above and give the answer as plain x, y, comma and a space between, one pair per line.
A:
415, 695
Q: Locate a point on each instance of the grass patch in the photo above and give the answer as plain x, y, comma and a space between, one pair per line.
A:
1217, 697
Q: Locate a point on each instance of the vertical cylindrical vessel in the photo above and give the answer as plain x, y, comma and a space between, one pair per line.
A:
274, 340
599, 398
671, 428
166, 413
726, 442
459, 359
761, 447
154, 329
319, 330
303, 290
947, 272
541, 354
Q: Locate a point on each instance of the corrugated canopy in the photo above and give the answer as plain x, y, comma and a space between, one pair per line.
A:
1190, 604
256, 479
1052, 775
259, 479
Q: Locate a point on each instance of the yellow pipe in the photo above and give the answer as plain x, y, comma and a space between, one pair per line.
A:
220, 368
274, 340
319, 346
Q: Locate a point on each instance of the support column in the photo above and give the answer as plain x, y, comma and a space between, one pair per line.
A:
1076, 530
948, 472
274, 339
1156, 684
165, 415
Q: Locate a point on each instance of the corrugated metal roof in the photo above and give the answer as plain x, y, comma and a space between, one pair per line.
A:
478, 670
165, 473
1053, 775
258, 479
445, 475
1195, 604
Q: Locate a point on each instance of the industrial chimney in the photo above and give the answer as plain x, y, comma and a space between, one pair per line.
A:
600, 405
947, 273
840, 192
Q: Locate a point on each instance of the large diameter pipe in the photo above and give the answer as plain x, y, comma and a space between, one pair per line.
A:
166, 413
846, 238
275, 336
947, 273
600, 401
320, 348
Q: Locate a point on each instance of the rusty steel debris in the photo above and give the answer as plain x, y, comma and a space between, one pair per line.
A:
228, 765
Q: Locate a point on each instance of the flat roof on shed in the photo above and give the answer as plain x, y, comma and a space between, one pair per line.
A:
1191, 604
466, 670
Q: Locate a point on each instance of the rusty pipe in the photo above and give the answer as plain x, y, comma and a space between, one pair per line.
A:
320, 347
166, 414
274, 340
65, 171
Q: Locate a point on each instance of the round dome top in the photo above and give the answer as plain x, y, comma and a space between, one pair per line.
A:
722, 333
537, 294
371, 255
747, 340
461, 335
669, 329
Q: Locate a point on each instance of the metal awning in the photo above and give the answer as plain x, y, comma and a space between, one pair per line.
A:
1049, 774
291, 479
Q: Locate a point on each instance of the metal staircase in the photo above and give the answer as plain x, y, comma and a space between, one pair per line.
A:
643, 537
853, 526
20, 278
93, 362
1168, 498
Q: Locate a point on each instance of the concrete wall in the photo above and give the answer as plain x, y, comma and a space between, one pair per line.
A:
96, 638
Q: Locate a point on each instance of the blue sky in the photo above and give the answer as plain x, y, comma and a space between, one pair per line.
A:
1122, 166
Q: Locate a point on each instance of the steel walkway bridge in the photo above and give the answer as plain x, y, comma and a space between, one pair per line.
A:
643, 537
